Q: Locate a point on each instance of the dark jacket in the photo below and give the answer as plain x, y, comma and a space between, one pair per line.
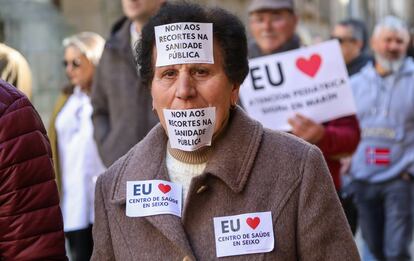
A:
254, 49
341, 135
356, 65
122, 113
31, 226
251, 169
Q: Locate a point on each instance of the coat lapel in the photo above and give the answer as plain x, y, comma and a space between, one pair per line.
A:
231, 160
146, 161
138, 167
122, 44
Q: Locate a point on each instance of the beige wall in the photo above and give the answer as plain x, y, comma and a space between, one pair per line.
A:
91, 15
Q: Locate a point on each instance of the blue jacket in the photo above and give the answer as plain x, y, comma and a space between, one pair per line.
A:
385, 110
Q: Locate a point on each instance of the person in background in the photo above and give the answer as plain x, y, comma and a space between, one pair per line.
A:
122, 111
273, 24
15, 70
77, 162
383, 165
352, 37
410, 49
30, 217
243, 168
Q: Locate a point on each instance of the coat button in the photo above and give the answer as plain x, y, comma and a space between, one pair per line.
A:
202, 189
187, 258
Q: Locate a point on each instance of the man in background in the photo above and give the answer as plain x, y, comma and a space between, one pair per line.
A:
383, 165
352, 37
272, 24
122, 105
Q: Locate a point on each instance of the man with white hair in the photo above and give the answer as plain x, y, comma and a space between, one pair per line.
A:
383, 165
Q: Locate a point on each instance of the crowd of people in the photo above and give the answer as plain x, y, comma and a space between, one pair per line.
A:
240, 190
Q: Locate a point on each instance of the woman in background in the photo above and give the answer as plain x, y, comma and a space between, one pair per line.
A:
76, 158
15, 70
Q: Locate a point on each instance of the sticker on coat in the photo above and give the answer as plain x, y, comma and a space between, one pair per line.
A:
153, 197
244, 234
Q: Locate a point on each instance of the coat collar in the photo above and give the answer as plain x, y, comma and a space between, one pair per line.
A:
120, 41
231, 160
235, 151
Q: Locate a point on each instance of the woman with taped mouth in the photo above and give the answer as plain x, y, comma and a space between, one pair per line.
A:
208, 181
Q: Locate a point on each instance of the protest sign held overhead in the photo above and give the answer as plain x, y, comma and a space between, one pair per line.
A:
190, 130
182, 43
312, 81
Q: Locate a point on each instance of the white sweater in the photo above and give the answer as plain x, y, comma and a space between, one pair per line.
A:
182, 173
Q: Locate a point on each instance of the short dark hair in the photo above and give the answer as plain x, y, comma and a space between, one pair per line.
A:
358, 28
228, 31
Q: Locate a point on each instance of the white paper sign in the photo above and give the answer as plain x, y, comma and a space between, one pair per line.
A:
153, 197
312, 81
181, 43
190, 130
244, 234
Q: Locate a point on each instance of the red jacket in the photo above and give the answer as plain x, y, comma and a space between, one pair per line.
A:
31, 226
341, 139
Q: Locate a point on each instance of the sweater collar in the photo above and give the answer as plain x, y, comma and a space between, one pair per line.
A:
231, 160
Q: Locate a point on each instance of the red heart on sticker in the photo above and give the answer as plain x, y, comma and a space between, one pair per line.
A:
253, 222
309, 66
164, 188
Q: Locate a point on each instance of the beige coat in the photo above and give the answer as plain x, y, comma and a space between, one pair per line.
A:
251, 170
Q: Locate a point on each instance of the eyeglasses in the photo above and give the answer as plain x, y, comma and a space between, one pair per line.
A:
76, 63
342, 40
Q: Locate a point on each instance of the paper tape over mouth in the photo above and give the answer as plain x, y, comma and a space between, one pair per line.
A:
189, 130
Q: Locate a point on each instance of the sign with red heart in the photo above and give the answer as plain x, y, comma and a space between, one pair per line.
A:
164, 188
253, 222
309, 66
311, 81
